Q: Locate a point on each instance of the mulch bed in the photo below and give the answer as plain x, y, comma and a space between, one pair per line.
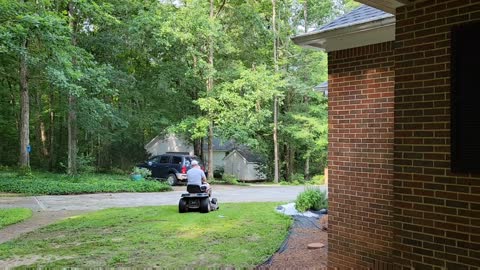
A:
294, 252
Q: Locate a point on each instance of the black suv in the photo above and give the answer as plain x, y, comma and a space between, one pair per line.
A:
171, 166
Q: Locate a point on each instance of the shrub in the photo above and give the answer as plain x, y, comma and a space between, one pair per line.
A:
117, 171
24, 171
230, 179
144, 172
218, 173
298, 177
311, 199
318, 180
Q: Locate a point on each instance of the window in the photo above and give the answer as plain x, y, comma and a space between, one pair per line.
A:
465, 111
154, 160
176, 160
164, 159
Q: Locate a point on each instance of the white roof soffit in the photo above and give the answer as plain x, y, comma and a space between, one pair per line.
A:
349, 36
386, 5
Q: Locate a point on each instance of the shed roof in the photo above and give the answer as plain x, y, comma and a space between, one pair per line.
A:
247, 154
219, 145
322, 86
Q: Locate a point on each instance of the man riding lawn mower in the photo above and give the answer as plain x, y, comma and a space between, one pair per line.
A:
199, 192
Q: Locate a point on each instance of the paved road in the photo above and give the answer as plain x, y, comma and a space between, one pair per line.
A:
89, 202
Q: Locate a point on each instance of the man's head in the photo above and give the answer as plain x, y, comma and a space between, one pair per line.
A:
194, 163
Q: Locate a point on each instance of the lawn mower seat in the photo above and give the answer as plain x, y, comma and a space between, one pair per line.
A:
196, 189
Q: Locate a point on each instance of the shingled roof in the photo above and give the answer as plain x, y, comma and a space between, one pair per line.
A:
362, 26
362, 14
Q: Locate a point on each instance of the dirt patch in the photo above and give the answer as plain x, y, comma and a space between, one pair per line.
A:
294, 254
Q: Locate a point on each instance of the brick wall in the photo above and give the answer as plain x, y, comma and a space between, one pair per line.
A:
360, 153
437, 213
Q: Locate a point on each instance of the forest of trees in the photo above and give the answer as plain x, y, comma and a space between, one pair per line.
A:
85, 84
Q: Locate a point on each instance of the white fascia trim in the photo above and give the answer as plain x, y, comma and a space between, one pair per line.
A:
389, 6
352, 36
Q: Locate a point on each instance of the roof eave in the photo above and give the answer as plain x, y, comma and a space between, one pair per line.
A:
389, 6
357, 35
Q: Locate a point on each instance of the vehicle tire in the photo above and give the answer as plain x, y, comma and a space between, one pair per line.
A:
182, 206
172, 180
204, 205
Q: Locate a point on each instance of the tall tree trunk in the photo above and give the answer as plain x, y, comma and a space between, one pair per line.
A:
209, 88
72, 107
40, 128
51, 161
289, 162
197, 147
24, 160
305, 16
275, 99
307, 168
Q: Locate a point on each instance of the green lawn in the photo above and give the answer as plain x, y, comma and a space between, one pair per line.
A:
42, 183
238, 235
10, 216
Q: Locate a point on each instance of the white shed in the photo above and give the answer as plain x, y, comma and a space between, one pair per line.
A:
220, 151
169, 143
243, 165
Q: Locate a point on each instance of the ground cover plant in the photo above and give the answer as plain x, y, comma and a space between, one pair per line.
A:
238, 235
42, 183
10, 216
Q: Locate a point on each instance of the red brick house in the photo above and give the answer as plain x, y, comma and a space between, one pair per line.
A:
404, 185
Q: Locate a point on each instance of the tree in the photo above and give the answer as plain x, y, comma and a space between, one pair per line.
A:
275, 99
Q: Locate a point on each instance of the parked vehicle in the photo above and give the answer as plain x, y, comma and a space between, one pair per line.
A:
171, 166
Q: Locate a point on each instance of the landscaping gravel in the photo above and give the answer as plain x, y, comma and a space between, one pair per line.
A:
294, 252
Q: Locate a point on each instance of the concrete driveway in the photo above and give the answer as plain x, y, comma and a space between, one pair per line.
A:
89, 202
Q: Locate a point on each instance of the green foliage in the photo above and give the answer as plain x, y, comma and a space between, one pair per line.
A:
317, 180
237, 236
139, 69
24, 171
144, 172
56, 184
230, 179
311, 199
10, 216
298, 177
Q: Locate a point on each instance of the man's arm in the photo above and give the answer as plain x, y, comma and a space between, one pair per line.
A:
204, 178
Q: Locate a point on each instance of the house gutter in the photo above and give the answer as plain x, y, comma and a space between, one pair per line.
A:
353, 35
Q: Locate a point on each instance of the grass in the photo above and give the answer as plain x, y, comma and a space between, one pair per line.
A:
222, 182
9, 216
237, 235
42, 183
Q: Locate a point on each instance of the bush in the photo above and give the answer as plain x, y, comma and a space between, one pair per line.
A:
298, 178
144, 172
117, 171
230, 179
311, 199
218, 173
24, 171
318, 180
